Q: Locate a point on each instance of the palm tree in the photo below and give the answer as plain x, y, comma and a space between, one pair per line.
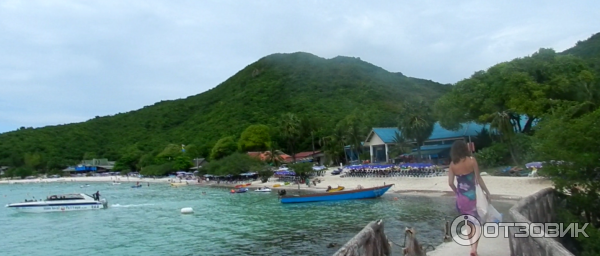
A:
273, 155
289, 125
502, 123
354, 131
416, 123
401, 145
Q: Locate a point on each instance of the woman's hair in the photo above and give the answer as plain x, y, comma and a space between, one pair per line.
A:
459, 151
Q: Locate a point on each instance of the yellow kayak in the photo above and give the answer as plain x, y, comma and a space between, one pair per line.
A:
339, 188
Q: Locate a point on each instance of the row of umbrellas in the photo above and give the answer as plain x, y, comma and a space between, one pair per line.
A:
413, 165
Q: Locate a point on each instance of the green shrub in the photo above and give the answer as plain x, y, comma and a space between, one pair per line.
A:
492, 156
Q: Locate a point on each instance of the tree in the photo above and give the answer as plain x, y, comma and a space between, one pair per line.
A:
234, 164
169, 153
33, 160
334, 144
224, 147
355, 130
273, 155
182, 163
192, 151
302, 170
255, 138
569, 147
90, 155
416, 123
130, 156
506, 92
400, 146
289, 125
23, 171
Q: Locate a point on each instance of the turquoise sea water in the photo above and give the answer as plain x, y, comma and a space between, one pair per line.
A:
147, 221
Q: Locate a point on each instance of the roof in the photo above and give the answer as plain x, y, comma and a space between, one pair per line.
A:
306, 154
467, 129
263, 156
387, 134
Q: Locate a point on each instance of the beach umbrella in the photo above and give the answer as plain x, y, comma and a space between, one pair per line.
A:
534, 165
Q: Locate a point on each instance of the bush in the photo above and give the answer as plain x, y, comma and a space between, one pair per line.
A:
265, 174
492, 156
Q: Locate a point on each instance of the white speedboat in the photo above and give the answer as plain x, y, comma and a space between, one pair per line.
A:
116, 183
264, 189
61, 203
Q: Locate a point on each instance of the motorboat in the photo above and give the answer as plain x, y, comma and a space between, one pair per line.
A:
263, 189
61, 203
116, 183
241, 190
178, 184
136, 186
86, 185
364, 193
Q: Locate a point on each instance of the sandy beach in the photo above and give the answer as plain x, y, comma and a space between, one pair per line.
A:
500, 187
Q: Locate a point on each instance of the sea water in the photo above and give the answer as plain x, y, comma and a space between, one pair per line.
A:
147, 221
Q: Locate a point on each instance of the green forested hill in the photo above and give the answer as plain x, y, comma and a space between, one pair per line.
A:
588, 50
323, 90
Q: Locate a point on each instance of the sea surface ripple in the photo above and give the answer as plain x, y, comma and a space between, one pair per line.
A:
147, 221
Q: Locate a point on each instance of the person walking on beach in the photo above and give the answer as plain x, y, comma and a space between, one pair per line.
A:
464, 167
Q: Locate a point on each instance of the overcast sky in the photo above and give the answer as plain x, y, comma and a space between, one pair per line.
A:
68, 61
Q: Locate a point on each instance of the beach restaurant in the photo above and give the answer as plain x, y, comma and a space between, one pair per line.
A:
436, 148
94, 165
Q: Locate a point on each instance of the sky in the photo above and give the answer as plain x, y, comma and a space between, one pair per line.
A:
69, 61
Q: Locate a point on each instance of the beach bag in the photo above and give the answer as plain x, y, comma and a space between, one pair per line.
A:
493, 215
485, 210
482, 203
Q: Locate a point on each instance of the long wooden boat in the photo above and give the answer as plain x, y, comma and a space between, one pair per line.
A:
335, 196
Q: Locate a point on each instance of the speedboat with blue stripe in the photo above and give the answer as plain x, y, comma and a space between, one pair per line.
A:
61, 203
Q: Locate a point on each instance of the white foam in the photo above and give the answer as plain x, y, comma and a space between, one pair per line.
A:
129, 205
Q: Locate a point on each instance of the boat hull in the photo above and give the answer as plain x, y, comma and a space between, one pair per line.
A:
337, 196
58, 207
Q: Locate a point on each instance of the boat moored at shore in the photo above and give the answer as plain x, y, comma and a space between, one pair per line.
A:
263, 189
364, 193
61, 203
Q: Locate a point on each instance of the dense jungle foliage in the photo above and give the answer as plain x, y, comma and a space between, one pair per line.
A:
544, 107
320, 92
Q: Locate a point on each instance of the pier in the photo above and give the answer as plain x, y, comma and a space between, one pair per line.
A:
536, 208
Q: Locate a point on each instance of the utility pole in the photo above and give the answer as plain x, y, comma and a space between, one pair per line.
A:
313, 141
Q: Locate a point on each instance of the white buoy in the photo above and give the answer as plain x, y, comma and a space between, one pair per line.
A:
187, 210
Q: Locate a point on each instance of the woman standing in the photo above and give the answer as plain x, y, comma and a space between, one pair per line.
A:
464, 167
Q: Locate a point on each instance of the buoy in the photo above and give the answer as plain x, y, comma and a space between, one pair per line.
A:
187, 210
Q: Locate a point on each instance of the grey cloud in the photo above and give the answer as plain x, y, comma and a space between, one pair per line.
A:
68, 61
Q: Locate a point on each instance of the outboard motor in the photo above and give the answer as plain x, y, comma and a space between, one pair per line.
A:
282, 192
104, 203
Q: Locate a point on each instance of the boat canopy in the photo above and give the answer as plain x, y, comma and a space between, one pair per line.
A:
66, 197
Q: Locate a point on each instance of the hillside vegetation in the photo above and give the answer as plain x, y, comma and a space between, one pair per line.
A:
543, 108
323, 91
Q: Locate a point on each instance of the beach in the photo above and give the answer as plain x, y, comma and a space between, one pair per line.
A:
500, 186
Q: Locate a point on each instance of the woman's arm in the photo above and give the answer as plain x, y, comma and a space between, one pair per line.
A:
479, 179
451, 179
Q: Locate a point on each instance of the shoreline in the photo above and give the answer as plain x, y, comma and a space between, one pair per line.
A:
508, 188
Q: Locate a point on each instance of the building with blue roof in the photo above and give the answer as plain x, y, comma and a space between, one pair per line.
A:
438, 145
